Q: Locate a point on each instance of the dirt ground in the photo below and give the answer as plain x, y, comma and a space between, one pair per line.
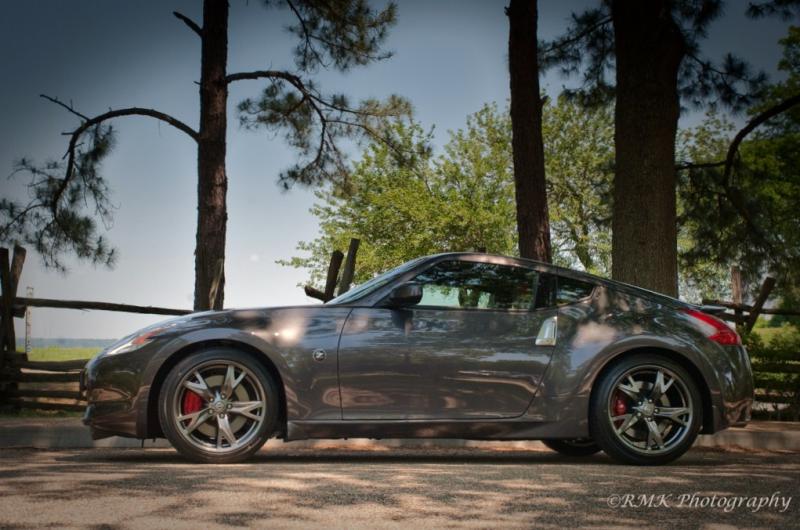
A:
340, 487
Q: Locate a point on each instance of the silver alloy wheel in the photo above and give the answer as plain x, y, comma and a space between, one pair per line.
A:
227, 405
650, 409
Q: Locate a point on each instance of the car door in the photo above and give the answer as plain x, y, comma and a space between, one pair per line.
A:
467, 350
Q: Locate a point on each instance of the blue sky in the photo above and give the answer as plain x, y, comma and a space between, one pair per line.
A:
450, 59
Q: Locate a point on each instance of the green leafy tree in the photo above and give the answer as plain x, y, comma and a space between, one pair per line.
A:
463, 200
69, 196
579, 156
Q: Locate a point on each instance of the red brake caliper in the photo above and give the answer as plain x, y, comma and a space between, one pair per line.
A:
619, 407
191, 402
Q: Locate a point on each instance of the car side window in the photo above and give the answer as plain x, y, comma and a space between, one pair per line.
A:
475, 285
570, 291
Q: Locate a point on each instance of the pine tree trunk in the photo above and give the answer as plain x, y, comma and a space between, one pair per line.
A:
649, 48
526, 121
212, 183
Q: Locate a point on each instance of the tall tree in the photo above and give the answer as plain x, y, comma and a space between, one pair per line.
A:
646, 54
526, 119
337, 34
649, 49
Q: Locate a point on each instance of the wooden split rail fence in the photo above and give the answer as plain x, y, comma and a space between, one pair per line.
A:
776, 373
47, 385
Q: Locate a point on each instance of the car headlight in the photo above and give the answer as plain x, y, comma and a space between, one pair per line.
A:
135, 342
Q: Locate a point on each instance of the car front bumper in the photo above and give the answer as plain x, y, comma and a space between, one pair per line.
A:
112, 387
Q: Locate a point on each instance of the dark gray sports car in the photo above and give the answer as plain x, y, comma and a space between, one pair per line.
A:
448, 346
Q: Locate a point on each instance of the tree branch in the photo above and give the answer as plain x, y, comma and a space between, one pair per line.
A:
306, 33
568, 41
64, 105
189, 22
771, 112
270, 74
88, 123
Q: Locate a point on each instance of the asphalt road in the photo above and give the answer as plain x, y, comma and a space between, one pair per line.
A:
335, 487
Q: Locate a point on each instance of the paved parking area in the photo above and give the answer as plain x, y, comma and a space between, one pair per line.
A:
341, 487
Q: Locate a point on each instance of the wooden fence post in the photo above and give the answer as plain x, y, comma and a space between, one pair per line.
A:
349, 266
330, 282
9, 280
766, 288
7, 338
333, 274
736, 294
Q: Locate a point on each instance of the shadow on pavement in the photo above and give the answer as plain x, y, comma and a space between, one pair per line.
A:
402, 487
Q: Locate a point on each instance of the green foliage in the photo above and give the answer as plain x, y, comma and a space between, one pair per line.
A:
749, 219
338, 33
405, 206
60, 216
315, 125
776, 366
579, 158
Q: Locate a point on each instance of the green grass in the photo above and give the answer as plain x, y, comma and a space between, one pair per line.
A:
55, 353
767, 334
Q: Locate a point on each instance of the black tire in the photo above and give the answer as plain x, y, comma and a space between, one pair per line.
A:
620, 447
254, 379
573, 447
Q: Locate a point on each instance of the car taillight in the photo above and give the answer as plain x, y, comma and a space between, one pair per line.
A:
714, 328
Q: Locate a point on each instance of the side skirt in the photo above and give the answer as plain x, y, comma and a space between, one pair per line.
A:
468, 430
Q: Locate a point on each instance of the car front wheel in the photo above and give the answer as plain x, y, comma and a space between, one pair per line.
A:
218, 406
645, 410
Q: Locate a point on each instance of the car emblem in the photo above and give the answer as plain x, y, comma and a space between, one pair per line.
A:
319, 355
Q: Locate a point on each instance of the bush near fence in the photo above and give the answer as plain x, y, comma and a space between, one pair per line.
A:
776, 369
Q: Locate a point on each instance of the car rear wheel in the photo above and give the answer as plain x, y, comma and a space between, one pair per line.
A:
645, 410
218, 406
573, 447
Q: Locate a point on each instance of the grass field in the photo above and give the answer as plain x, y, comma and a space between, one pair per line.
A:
56, 353
767, 334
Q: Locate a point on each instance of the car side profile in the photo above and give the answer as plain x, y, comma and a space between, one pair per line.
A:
457, 345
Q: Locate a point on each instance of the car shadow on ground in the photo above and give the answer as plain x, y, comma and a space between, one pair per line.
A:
399, 486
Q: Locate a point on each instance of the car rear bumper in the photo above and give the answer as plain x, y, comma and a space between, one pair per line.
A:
737, 390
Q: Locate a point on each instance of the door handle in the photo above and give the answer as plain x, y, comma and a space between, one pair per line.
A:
548, 332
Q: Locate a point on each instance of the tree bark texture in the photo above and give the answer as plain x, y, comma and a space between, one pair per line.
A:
649, 49
526, 120
212, 182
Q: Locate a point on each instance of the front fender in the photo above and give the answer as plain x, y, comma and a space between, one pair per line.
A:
285, 338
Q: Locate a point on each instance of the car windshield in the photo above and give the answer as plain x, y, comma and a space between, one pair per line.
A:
375, 283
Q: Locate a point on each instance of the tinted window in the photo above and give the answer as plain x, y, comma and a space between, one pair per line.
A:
570, 291
465, 284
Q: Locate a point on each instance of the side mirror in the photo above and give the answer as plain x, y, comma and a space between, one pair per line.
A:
406, 294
